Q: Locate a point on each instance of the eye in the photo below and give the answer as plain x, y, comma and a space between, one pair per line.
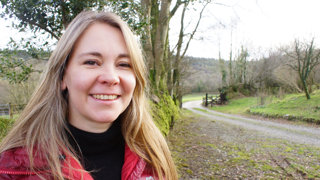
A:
125, 64
91, 62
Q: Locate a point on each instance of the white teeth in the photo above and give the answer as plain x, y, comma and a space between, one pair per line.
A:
104, 97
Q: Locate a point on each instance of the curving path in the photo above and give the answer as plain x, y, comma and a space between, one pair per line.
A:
293, 133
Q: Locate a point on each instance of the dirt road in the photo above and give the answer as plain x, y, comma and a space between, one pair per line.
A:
294, 133
212, 145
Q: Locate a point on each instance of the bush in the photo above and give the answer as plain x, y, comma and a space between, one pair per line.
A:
5, 125
240, 90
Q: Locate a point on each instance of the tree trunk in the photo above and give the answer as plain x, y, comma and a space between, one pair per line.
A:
147, 38
305, 87
160, 41
230, 63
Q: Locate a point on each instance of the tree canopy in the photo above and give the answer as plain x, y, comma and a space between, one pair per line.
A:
47, 15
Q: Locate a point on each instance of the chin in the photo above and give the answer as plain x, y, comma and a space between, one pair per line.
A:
110, 119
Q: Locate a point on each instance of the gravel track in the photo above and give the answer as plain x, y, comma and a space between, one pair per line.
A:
294, 133
211, 145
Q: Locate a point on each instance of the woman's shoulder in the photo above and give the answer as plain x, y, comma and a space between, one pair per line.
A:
135, 167
18, 159
13, 158
15, 164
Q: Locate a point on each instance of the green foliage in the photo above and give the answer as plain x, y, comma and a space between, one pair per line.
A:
223, 71
13, 68
5, 125
241, 67
130, 12
164, 113
200, 86
240, 90
46, 15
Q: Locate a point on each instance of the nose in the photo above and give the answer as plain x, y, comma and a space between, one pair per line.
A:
108, 76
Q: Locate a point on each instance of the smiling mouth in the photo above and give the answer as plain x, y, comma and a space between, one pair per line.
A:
104, 97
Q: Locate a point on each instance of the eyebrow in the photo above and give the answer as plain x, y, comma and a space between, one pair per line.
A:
97, 54
123, 55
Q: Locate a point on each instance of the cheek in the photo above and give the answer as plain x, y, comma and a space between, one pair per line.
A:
78, 82
132, 82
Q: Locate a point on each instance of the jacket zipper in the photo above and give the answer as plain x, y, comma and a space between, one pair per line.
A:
28, 173
17, 172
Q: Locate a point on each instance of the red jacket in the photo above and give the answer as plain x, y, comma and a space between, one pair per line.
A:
14, 164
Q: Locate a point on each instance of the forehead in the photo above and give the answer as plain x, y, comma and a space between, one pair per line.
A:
101, 37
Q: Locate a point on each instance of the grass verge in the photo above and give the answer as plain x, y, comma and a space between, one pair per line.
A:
291, 107
195, 97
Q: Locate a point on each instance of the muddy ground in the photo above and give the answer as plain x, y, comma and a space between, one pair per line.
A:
207, 149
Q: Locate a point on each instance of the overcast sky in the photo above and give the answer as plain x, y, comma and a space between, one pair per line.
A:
258, 25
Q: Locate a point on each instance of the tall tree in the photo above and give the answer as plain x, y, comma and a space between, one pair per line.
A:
222, 70
304, 58
178, 53
242, 65
157, 15
231, 75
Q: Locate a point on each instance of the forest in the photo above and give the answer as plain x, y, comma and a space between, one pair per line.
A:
271, 75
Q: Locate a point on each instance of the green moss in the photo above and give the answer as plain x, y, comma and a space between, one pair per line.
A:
164, 113
266, 167
288, 149
189, 171
210, 145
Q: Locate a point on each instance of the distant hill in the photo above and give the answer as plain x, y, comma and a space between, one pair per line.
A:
201, 74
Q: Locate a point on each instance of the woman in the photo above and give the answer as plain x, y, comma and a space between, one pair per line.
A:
88, 119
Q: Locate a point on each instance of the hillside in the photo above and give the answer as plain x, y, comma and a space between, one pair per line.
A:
292, 107
270, 74
201, 74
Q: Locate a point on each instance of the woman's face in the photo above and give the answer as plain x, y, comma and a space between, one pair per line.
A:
99, 78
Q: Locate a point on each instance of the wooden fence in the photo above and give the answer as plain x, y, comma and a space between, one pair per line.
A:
5, 109
211, 100
10, 109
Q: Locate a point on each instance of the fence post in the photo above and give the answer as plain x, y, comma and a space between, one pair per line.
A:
10, 111
206, 100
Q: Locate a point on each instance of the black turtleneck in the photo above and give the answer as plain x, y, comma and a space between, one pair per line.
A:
102, 154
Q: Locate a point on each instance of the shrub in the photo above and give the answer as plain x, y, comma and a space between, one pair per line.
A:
5, 125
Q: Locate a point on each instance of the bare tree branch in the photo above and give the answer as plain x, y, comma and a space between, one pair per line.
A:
195, 30
176, 6
306, 58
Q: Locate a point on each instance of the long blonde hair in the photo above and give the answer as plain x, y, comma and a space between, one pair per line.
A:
42, 124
